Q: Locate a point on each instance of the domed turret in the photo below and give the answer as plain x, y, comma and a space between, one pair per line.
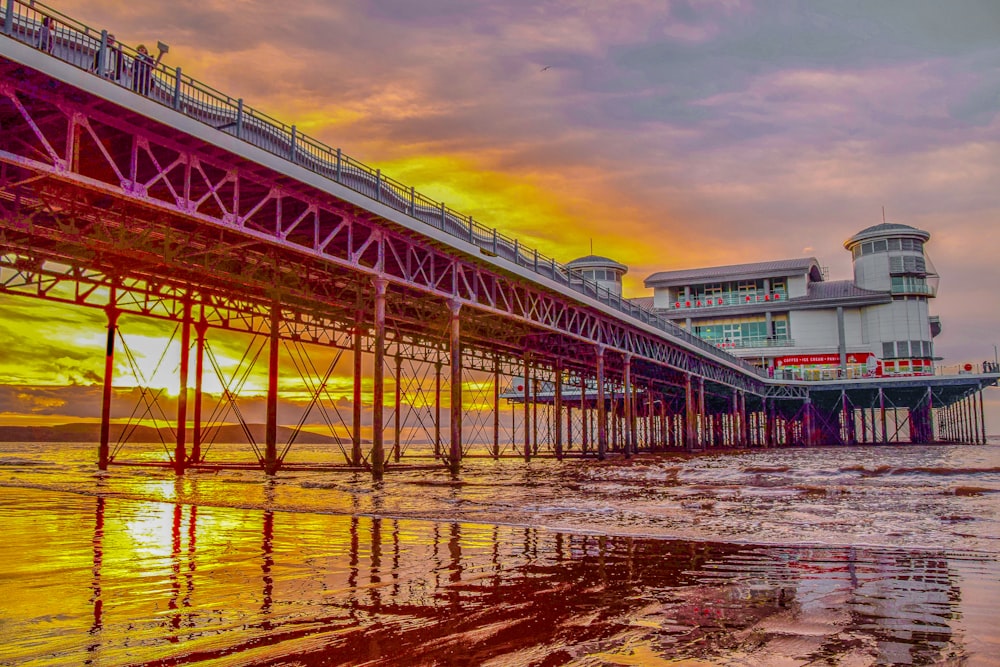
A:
890, 257
607, 273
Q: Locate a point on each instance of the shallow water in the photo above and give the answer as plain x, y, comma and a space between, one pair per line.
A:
862, 556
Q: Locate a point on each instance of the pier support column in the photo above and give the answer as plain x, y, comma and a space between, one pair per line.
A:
104, 447
557, 408
180, 446
769, 430
455, 349
584, 416
271, 423
201, 328
734, 412
437, 409
356, 457
689, 414
628, 407
808, 427
881, 408
702, 417
602, 408
378, 382
744, 422
569, 418
527, 406
496, 408
982, 418
397, 417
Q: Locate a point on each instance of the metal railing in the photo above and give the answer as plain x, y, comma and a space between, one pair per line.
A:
753, 343
76, 43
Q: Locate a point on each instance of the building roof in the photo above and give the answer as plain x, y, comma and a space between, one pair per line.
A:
643, 302
773, 269
839, 289
594, 262
883, 230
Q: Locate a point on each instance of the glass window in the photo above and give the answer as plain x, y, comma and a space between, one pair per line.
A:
856, 252
888, 350
780, 328
866, 248
895, 244
902, 348
881, 245
916, 348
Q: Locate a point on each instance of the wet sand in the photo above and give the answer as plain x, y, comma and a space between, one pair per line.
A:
96, 579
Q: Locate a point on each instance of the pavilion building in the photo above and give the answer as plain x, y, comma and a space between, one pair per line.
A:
786, 317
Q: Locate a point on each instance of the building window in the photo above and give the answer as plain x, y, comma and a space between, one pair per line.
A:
902, 348
888, 350
908, 285
894, 244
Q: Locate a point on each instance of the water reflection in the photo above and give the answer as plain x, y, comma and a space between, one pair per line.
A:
270, 587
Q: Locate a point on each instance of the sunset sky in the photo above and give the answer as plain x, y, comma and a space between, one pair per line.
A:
670, 134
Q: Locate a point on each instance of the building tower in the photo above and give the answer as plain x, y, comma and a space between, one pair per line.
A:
890, 257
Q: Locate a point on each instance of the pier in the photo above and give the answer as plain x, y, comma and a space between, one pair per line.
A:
174, 201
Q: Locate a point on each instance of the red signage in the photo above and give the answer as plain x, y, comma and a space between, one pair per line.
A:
873, 366
804, 359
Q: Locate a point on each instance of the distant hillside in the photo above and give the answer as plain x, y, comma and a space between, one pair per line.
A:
230, 433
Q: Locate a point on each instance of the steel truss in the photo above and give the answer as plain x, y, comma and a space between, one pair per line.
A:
105, 189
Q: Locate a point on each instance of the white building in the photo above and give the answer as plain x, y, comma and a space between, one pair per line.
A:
784, 316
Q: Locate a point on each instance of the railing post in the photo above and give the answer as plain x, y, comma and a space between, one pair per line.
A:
413, 201
536, 260
177, 89
8, 19
494, 240
442, 215
378, 185
291, 150
517, 252
239, 118
470, 230
339, 161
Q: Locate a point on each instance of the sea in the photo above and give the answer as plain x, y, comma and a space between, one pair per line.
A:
864, 555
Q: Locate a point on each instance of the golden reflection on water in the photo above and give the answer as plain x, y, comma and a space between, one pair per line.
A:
104, 580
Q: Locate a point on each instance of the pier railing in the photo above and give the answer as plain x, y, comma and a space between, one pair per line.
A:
82, 46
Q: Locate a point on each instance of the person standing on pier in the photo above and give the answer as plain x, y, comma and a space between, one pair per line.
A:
46, 34
114, 64
142, 69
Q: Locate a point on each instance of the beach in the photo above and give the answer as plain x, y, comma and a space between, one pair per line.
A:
861, 556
